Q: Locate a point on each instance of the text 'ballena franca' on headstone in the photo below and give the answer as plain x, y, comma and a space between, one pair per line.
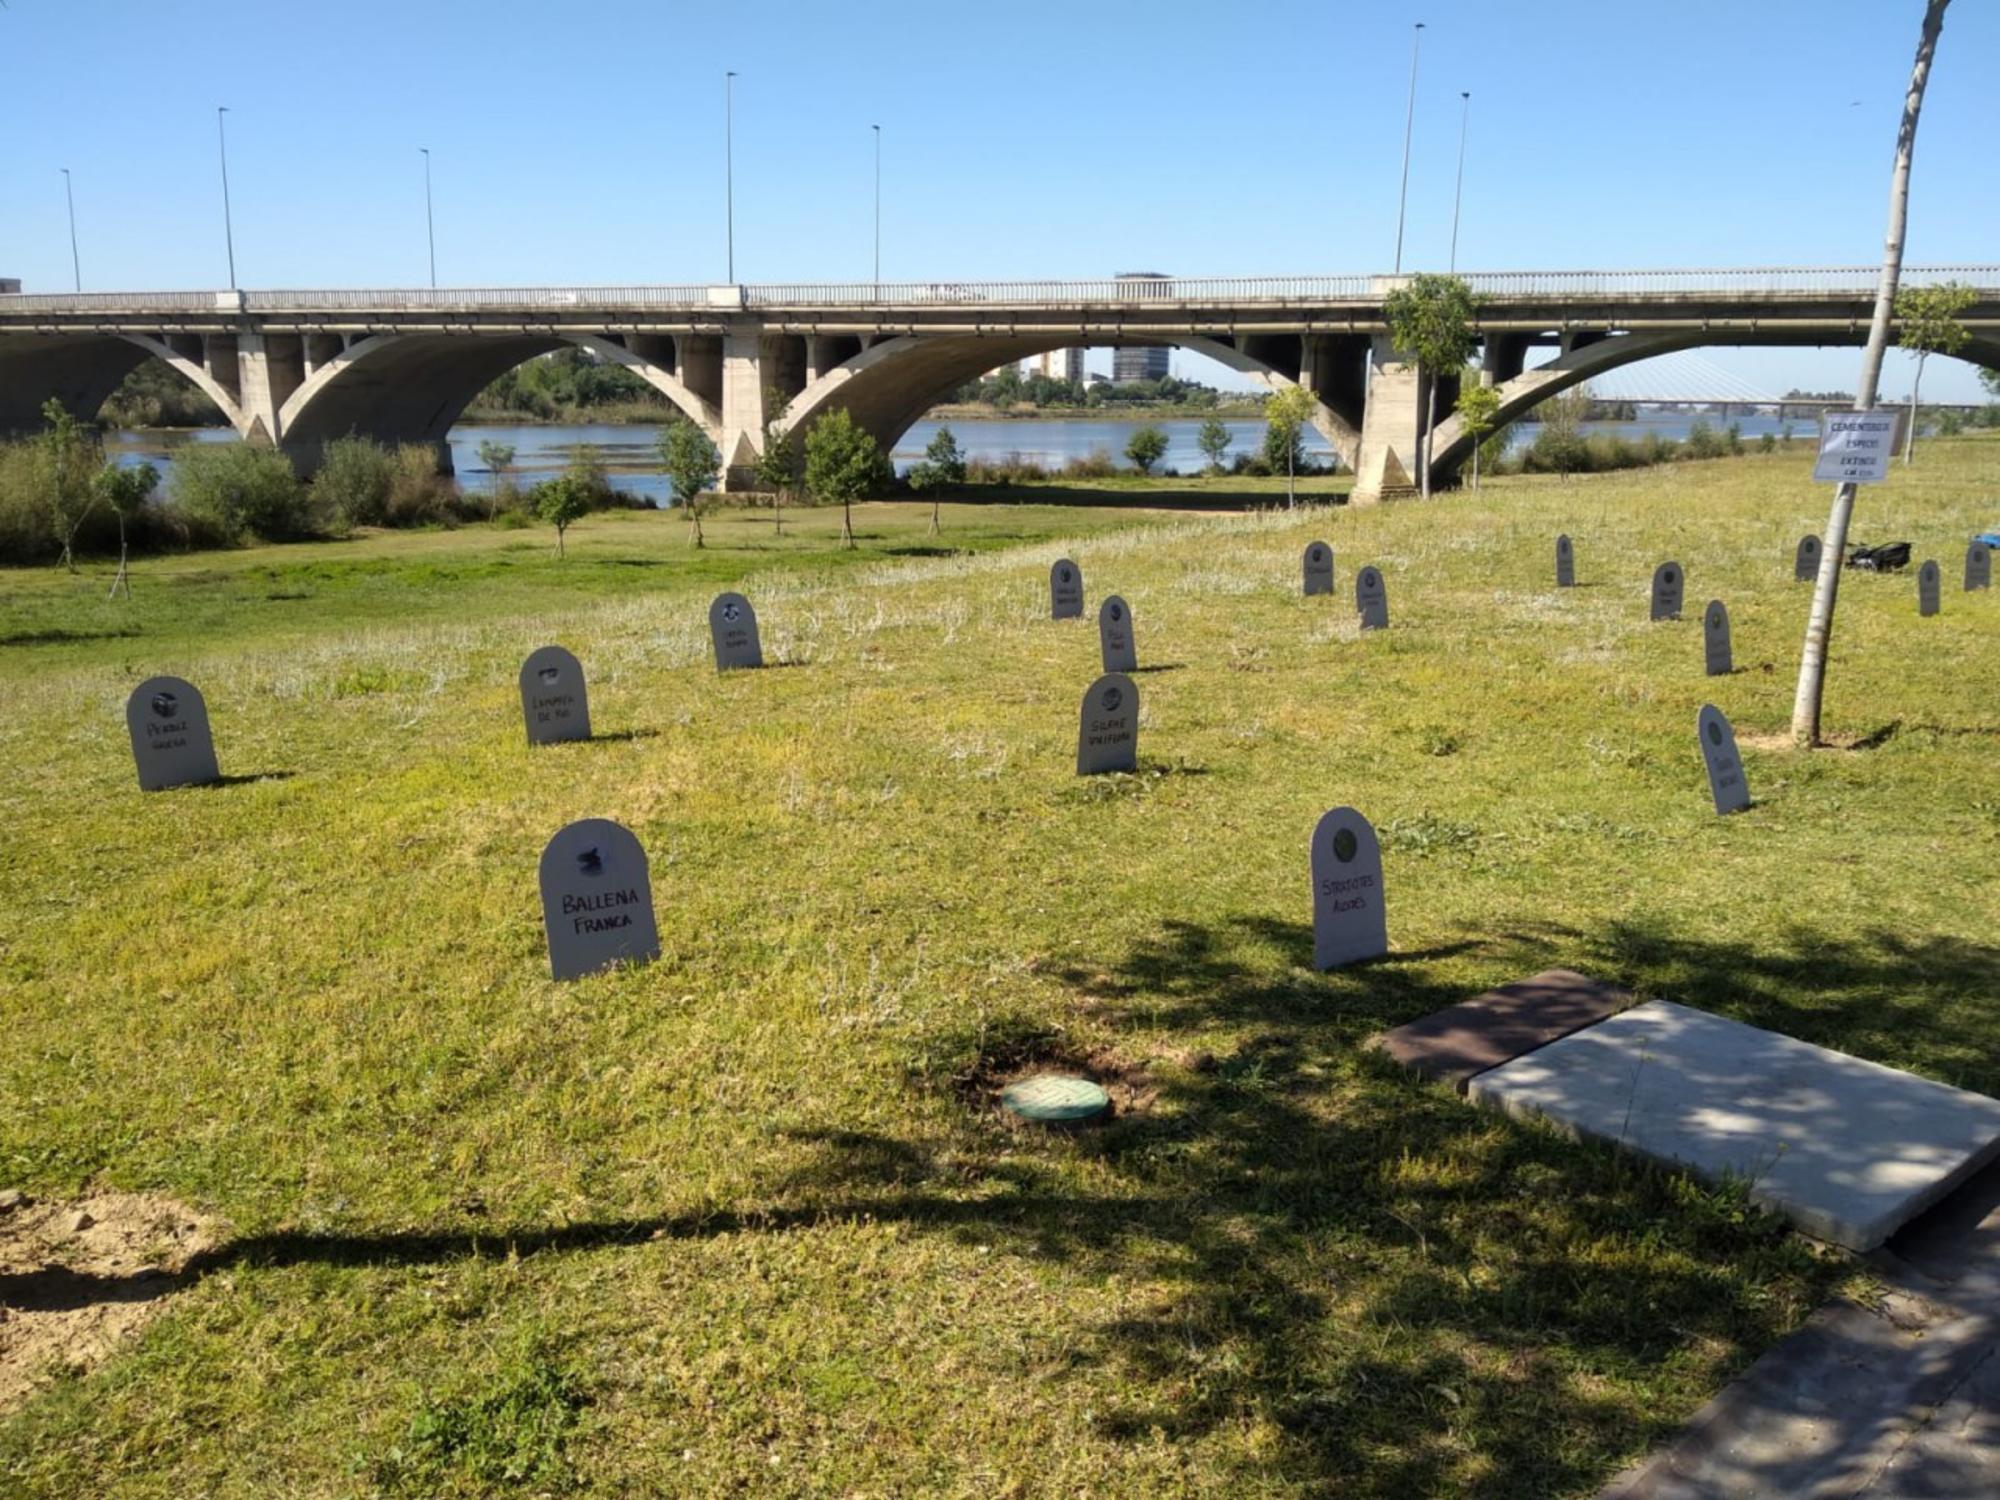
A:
1065, 590
1978, 567
597, 899
1565, 563
168, 722
1114, 636
1715, 639
1349, 921
1668, 581
1805, 561
1371, 598
1725, 766
1318, 568
732, 625
1107, 736
1927, 589
553, 701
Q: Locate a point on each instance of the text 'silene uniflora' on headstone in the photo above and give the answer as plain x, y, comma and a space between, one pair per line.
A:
1107, 737
171, 744
597, 899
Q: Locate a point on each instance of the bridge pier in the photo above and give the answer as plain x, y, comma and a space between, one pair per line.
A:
1391, 421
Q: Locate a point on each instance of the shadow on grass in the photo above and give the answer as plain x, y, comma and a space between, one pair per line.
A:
66, 637
1396, 1294
246, 779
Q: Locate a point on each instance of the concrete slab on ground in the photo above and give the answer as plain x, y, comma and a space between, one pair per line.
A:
1846, 1149
1453, 1044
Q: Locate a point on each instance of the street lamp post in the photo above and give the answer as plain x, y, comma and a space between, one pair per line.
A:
1409, 122
75, 265
729, 167
228, 230
1458, 191
878, 210
430, 222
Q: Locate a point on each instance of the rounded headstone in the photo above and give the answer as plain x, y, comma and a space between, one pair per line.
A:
1065, 590
553, 701
1565, 563
1371, 598
1668, 583
171, 744
597, 899
1718, 754
1318, 568
1805, 562
1114, 636
1715, 639
1055, 1099
1978, 566
1107, 735
1350, 923
1927, 589
732, 626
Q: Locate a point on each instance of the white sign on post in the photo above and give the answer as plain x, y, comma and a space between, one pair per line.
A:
168, 722
1318, 569
597, 899
732, 625
1371, 598
1855, 447
552, 697
1065, 590
1927, 589
1349, 922
1805, 562
1725, 766
1565, 563
1107, 735
1978, 567
1715, 639
1114, 636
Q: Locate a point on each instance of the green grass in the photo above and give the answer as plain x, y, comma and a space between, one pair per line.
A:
742, 1221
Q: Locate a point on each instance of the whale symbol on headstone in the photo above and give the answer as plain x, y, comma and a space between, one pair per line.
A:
590, 862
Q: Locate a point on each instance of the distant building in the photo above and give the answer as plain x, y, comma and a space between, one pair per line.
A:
1151, 363
10, 284
1057, 364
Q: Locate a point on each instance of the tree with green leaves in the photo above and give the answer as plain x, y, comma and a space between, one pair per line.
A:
124, 491
68, 459
778, 463
1430, 321
1213, 440
561, 502
942, 468
843, 463
1991, 380
1478, 409
692, 464
1286, 413
1926, 324
498, 458
1146, 447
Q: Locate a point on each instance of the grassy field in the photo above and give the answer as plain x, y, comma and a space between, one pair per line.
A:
745, 1221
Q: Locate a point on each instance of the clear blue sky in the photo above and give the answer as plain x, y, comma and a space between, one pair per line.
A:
583, 143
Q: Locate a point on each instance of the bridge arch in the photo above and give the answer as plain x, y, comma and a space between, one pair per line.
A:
414, 387
83, 373
888, 386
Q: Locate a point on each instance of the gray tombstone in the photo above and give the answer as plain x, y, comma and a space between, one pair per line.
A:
1107, 736
1927, 589
552, 697
1318, 569
1371, 598
1978, 567
168, 722
1565, 563
1114, 636
732, 625
1805, 562
1715, 639
597, 899
1668, 581
1065, 590
1349, 921
1725, 766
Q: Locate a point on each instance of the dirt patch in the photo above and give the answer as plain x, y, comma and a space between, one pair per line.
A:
78, 1277
1873, 739
1132, 1091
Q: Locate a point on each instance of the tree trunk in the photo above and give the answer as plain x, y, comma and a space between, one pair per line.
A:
119, 580
1910, 434
778, 511
847, 522
1833, 549
1291, 460
1424, 448
934, 515
1477, 440
694, 524
559, 540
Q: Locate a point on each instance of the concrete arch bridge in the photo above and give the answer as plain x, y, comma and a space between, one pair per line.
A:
296, 369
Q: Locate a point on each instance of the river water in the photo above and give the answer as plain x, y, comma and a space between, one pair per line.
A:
628, 456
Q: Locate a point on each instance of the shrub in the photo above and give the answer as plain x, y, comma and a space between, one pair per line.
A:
1096, 464
236, 489
355, 477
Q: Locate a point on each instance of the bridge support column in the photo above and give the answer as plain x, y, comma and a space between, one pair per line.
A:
742, 438
1387, 466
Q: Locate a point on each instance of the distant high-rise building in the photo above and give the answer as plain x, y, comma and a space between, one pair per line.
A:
1057, 364
1149, 363
9, 284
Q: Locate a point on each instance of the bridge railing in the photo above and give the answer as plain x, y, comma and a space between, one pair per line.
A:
1765, 280
1060, 293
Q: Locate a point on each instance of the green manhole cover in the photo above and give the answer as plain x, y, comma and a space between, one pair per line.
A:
1052, 1099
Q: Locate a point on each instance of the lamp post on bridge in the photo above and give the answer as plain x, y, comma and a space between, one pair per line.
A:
75, 265
228, 231
430, 222
1409, 123
878, 211
1458, 191
729, 167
